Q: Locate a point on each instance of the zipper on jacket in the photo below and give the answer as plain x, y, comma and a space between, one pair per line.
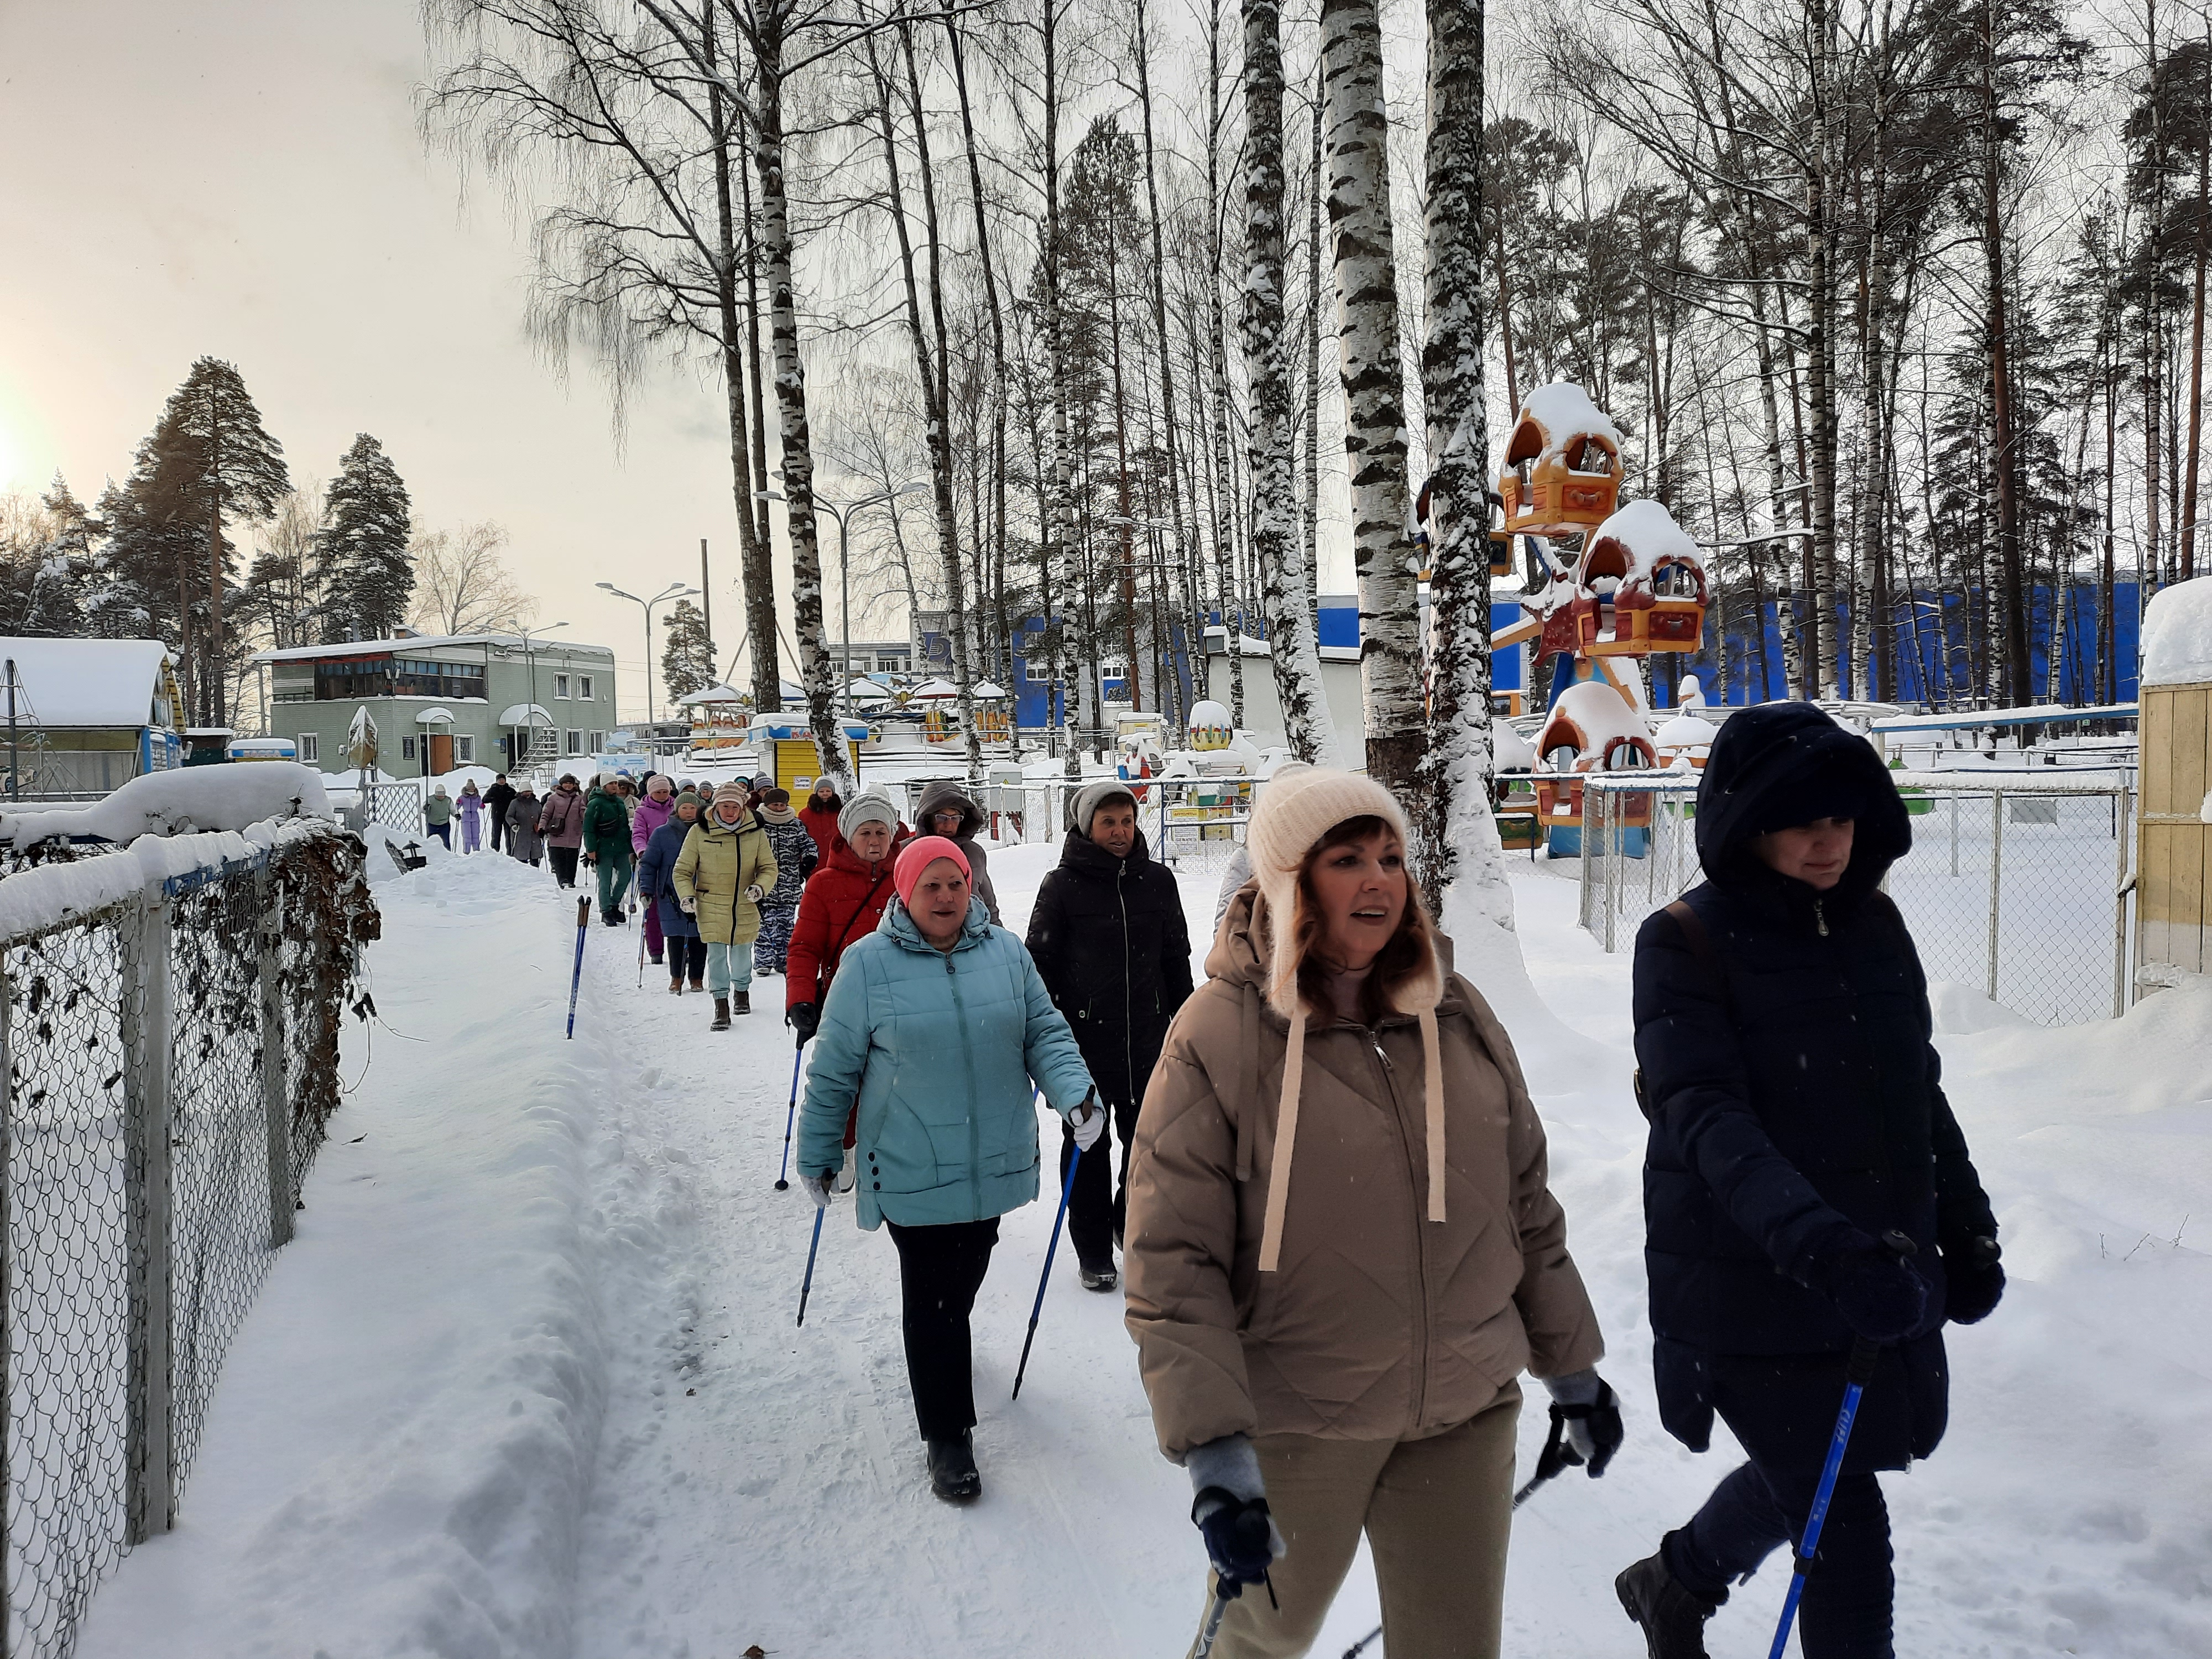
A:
1819, 918
1389, 1072
968, 1065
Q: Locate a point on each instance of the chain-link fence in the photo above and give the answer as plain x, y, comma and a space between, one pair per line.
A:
169, 1024
2014, 886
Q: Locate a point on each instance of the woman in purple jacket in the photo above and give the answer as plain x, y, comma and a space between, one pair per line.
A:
655, 810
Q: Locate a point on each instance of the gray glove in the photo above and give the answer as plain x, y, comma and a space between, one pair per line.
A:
821, 1188
1231, 1509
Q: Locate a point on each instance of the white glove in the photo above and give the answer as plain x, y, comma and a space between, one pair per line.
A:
755, 892
819, 1188
689, 907
1088, 1122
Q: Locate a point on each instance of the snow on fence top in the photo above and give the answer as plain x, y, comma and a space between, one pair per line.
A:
199, 797
87, 682
1566, 412
33, 901
2177, 635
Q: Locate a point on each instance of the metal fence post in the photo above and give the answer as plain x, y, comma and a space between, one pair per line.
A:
275, 1098
2121, 834
1996, 873
149, 1500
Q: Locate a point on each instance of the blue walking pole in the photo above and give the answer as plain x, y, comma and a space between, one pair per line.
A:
807, 1286
783, 1168
1864, 1356
576, 979
1066, 1187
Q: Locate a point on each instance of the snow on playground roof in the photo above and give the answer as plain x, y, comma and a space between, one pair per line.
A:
1600, 712
88, 682
711, 694
2177, 634
987, 688
930, 689
1509, 750
1564, 410
1649, 534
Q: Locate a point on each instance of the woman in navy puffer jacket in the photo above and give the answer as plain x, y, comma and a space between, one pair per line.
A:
1806, 1186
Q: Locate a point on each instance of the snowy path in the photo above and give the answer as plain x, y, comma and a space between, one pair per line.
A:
528, 1384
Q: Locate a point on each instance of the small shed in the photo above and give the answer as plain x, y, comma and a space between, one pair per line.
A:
89, 714
784, 746
2173, 824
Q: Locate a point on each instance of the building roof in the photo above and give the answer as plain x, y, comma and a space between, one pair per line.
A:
413, 642
86, 682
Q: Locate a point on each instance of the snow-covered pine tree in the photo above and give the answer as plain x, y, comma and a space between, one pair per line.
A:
687, 654
1275, 545
1373, 372
362, 556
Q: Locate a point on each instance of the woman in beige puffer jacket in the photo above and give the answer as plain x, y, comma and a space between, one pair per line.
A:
1342, 1249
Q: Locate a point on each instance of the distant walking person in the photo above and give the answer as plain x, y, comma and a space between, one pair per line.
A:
524, 843
845, 898
945, 811
607, 844
725, 869
497, 800
560, 822
471, 805
795, 860
1798, 1121
438, 815
655, 810
1109, 937
938, 1027
819, 815
656, 885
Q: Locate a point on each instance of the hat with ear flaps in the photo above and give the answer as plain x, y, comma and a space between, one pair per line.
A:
1298, 807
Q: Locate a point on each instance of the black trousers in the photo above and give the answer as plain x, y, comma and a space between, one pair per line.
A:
686, 957
1099, 1205
564, 864
498, 830
940, 1269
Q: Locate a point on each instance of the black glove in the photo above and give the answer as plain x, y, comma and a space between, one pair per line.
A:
804, 1018
1239, 1536
1874, 1286
1975, 1281
1588, 1411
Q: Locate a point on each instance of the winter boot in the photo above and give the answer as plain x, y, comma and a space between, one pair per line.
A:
698, 985
1673, 1619
741, 1002
721, 1015
656, 962
1101, 1279
952, 1473
675, 987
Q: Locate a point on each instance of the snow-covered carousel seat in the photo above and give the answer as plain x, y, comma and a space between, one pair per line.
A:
1639, 586
1591, 728
1562, 474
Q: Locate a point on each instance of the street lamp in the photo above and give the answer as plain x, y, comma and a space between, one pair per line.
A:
529, 667
844, 608
673, 591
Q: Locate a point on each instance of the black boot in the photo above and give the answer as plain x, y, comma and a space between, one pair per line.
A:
721, 1015
741, 1002
1100, 1279
1673, 1618
952, 1473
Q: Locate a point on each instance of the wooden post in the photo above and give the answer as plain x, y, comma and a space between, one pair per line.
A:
149, 1500
275, 1098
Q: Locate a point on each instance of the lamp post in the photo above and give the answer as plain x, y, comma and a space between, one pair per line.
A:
673, 591
529, 668
844, 563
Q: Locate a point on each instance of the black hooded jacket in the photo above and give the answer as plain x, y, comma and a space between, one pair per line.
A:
1111, 944
1796, 1095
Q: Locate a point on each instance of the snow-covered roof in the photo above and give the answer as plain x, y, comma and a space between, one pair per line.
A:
1645, 533
2177, 634
1564, 411
516, 714
1511, 751
435, 717
933, 689
711, 694
988, 688
415, 644
1596, 712
79, 683
1685, 732
196, 798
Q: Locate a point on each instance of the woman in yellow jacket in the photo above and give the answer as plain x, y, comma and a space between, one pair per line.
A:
725, 868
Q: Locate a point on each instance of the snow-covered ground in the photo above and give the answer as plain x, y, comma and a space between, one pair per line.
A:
527, 1384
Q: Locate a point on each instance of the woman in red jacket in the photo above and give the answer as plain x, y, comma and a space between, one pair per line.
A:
820, 815
843, 902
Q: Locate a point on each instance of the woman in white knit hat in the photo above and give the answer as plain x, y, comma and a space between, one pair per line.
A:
1342, 1251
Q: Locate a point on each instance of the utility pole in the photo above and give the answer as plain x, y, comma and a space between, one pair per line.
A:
705, 595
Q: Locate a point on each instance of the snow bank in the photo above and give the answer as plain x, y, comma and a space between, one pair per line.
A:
2177, 634
197, 797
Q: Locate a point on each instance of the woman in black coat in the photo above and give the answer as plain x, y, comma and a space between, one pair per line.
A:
1805, 1185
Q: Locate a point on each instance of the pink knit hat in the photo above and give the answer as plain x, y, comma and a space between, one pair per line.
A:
919, 854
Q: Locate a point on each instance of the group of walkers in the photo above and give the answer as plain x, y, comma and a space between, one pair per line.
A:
1331, 1198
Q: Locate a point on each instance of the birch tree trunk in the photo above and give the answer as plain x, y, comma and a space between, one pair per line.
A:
1373, 372
1224, 492
1057, 345
1281, 561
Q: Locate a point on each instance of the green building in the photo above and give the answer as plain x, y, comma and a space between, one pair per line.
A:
493, 699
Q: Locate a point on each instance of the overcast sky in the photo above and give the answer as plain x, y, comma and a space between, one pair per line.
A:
191, 177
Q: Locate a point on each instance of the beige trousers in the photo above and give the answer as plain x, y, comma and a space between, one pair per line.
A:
1436, 1513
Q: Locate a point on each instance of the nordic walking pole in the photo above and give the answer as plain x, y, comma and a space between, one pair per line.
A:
576, 979
1223, 1595
1865, 1355
806, 1285
783, 1168
1066, 1187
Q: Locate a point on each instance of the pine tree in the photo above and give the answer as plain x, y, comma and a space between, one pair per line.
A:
687, 655
362, 560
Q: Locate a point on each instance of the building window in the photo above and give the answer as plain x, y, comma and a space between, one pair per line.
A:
889, 664
1038, 671
465, 750
598, 741
310, 746
583, 685
353, 676
560, 685
407, 749
1110, 671
575, 743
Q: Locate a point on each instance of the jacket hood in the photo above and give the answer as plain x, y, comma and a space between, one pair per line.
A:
899, 923
1242, 952
1085, 857
940, 796
1780, 764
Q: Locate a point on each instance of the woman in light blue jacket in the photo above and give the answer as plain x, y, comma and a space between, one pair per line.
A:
937, 1026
